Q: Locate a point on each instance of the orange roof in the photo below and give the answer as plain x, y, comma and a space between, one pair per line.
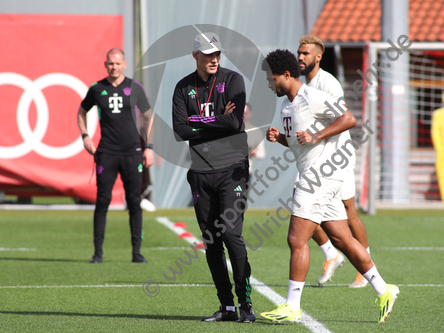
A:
357, 20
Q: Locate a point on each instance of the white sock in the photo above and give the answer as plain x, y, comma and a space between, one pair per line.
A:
376, 281
294, 294
231, 308
329, 250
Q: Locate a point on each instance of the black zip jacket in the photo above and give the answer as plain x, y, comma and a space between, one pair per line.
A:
217, 141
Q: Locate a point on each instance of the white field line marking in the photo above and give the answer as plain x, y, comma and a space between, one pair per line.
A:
74, 286
177, 230
256, 286
16, 249
412, 248
308, 321
108, 286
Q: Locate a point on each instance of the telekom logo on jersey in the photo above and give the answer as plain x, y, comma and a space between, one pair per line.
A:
206, 107
287, 125
115, 103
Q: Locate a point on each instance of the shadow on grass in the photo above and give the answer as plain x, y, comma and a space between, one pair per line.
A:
304, 323
117, 315
286, 285
133, 316
259, 320
44, 259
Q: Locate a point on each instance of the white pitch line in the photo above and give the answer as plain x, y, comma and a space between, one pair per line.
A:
308, 321
16, 249
256, 286
177, 230
346, 285
74, 286
107, 286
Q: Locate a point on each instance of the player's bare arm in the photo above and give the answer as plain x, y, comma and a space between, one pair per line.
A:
148, 157
87, 141
148, 154
273, 135
341, 124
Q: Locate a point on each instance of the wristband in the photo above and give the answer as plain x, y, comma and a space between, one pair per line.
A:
149, 146
84, 136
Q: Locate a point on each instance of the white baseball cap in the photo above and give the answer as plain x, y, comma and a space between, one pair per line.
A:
208, 43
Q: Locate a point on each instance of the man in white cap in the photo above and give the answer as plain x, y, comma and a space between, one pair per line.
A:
208, 107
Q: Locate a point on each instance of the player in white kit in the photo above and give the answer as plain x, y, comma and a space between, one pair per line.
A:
310, 53
312, 131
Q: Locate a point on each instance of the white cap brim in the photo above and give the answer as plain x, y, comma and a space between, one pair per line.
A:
208, 43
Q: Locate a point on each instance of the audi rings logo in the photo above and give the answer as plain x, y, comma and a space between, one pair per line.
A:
32, 139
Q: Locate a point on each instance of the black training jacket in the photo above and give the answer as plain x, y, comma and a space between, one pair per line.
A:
217, 141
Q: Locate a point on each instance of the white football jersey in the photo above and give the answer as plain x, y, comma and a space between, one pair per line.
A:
326, 82
305, 112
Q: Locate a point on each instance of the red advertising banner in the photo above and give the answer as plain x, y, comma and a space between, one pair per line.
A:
47, 64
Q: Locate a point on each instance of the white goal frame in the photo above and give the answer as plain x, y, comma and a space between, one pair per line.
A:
371, 110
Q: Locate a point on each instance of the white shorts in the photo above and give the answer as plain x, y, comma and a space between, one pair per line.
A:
348, 188
324, 204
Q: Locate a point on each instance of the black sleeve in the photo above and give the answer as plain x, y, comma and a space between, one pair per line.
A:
142, 101
89, 101
182, 131
232, 121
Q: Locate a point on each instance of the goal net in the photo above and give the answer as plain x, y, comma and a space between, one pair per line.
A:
398, 161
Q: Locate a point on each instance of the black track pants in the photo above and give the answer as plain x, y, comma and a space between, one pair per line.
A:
107, 167
219, 203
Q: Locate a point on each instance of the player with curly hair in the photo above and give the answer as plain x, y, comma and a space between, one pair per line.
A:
302, 110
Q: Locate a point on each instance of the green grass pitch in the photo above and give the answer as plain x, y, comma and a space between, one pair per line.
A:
47, 284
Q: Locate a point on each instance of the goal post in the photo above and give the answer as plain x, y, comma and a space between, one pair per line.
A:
398, 161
